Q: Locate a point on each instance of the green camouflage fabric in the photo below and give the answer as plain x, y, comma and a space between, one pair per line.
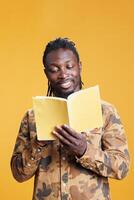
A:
59, 175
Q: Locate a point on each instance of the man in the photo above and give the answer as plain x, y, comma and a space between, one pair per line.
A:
76, 166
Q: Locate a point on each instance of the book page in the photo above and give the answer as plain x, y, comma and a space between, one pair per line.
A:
49, 112
85, 109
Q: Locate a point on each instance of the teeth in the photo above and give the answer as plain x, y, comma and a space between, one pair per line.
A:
66, 85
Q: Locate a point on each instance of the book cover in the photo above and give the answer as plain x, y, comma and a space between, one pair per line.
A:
81, 111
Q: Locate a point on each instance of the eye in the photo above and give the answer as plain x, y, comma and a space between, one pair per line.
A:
53, 69
69, 66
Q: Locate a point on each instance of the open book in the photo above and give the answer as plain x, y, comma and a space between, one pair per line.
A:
81, 111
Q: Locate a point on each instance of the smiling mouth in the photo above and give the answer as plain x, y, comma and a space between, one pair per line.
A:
65, 85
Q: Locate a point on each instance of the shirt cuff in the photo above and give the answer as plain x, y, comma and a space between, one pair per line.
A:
89, 157
32, 155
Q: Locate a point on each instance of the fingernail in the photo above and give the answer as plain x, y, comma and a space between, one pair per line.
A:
57, 127
54, 132
65, 125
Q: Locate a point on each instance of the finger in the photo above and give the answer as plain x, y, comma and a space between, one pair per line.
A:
73, 140
65, 134
61, 138
84, 134
71, 131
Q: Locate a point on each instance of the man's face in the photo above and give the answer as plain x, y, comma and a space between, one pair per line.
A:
63, 72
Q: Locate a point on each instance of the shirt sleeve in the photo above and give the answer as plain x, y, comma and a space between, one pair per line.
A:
27, 153
112, 159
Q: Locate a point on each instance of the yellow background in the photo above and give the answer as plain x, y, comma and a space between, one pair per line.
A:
104, 33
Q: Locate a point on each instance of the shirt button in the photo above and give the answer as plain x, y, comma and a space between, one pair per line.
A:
32, 158
64, 184
28, 164
39, 150
63, 158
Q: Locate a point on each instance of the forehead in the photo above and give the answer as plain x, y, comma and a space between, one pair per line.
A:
60, 56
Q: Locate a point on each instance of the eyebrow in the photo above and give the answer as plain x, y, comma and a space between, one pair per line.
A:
57, 65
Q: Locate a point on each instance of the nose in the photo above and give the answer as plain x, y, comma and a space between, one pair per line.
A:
63, 73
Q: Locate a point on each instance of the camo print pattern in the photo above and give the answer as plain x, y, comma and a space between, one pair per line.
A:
59, 175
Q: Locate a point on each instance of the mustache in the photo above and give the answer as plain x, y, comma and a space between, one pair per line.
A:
60, 81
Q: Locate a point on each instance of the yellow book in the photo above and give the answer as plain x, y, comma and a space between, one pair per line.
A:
81, 111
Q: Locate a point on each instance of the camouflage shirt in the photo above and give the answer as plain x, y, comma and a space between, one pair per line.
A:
58, 175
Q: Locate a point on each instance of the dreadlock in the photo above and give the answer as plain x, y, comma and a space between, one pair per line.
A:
58, 43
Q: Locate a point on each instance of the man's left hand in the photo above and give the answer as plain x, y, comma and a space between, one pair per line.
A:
74, 141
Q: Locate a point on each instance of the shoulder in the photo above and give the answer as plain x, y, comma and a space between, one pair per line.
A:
30, 112
107, 107
109, 113
28, 115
